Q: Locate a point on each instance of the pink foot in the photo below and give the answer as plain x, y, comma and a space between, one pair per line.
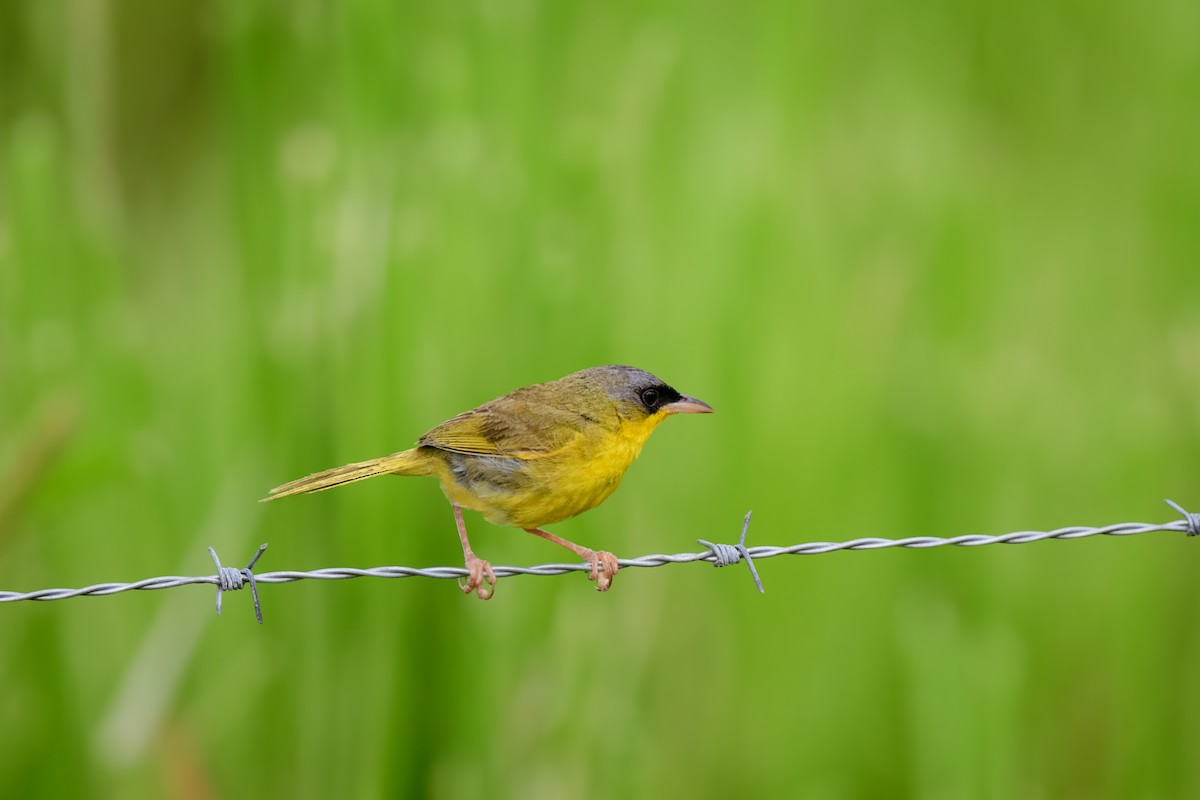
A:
480, 578
604, 569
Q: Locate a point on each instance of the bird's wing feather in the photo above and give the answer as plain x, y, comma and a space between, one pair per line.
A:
512, 427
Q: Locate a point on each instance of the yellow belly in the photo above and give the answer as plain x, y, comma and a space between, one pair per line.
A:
532, 492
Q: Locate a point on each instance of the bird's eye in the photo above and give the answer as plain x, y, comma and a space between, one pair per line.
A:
650, 398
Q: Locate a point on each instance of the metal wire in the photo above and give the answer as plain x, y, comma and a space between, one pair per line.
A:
720, 555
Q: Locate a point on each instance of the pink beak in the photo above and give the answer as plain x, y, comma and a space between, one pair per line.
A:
688, 405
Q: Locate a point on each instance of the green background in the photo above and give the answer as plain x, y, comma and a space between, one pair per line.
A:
936, 265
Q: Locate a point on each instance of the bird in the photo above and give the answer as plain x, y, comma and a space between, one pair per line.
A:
533, 457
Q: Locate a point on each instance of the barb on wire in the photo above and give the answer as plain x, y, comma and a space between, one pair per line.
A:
1193, 520
727, 554
230, 578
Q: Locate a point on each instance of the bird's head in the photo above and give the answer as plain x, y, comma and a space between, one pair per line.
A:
636, 395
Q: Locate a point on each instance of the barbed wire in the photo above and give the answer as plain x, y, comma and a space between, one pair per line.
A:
719, 555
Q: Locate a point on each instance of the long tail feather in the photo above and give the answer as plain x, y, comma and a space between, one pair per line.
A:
408, 462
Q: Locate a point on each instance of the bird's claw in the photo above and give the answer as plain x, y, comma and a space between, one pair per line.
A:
604, 569
480, 579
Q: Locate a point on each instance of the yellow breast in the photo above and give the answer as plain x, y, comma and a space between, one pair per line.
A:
530, 493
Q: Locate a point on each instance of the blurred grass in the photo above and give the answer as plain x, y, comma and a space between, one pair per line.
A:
935, 265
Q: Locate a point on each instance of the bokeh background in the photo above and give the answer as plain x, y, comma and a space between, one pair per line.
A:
935, 264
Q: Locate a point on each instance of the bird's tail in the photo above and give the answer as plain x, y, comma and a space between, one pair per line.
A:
408, 462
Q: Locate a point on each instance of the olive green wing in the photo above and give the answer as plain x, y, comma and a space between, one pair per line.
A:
510, 426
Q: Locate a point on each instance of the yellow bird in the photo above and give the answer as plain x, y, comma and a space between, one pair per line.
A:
536, 456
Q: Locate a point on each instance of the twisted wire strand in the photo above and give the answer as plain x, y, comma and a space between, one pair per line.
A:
230, 578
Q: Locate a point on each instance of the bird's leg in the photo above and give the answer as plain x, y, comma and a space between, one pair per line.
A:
604, 564
480, 578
